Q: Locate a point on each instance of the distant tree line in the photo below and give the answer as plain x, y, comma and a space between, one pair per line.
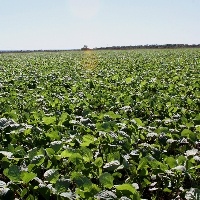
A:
153, 46
31, 51
85, 48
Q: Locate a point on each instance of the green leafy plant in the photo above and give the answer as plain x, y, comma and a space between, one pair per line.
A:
101, 125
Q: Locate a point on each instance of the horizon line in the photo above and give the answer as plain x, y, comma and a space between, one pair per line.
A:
85, 47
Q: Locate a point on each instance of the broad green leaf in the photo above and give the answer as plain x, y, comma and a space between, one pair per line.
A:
193, 136
189, 101
113, 115
62, 185
82, 181
105, 126
138, 122
49, 120
76, 159
128, 190
197, 128
167, 190
50, 152
126, 187
197, 118
24, 192
41, 151
56, 145
143, 83
181, 160
128, 80
65, 116
98, 162
86, 154
13, 173
171, 162
106, 179
87, 140
38, 160
66, 153
54, 135
143, 164
27, 176
113, 156
186, 132
51, 175
32, 152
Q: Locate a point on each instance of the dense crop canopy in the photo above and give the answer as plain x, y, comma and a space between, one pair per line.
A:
100, 125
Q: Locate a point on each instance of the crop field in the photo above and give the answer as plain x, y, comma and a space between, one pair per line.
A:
100, 125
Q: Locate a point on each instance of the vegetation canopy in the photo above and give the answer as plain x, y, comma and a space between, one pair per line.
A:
100, 125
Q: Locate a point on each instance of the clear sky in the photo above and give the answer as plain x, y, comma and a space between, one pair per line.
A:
69, 24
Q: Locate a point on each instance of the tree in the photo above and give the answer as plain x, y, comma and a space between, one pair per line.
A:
85, 47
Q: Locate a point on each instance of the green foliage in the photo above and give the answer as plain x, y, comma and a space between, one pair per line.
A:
13, 173
28, 176
128, 190
51, 175
106, 180
100, 125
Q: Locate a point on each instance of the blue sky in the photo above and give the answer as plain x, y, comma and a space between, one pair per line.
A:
67, 24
